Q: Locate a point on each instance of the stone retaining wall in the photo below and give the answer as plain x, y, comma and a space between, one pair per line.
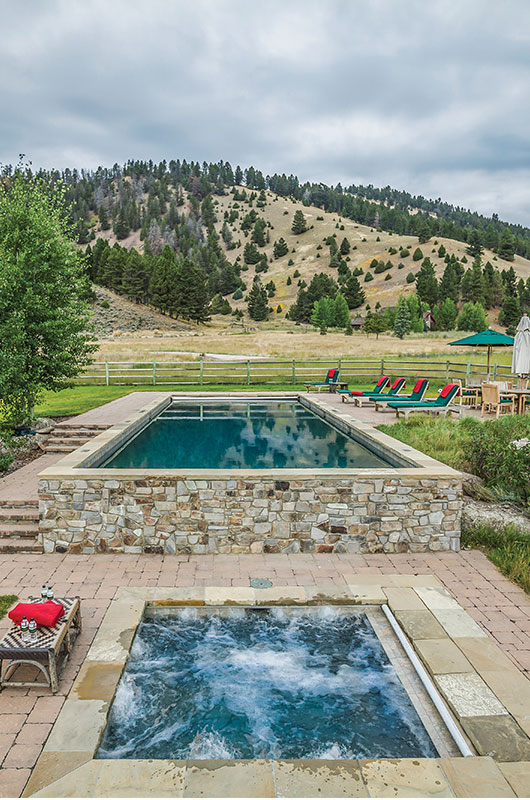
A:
250, 515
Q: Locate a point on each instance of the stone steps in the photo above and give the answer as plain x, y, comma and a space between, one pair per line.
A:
67, 437
11, 544
19, 526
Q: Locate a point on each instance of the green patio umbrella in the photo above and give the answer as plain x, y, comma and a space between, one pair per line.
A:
488, 338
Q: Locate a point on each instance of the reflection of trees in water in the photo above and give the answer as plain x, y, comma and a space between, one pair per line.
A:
242, 435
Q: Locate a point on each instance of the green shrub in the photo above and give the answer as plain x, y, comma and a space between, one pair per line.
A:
104, 304
498, 461
6, 459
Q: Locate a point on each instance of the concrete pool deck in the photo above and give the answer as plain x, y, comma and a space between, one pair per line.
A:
501, 609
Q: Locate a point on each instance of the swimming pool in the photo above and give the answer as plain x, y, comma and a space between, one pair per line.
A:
245, 683
242, 434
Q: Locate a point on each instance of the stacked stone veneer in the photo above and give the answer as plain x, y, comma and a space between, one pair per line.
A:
250, 515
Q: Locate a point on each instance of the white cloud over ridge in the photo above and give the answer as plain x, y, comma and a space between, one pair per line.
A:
428, 97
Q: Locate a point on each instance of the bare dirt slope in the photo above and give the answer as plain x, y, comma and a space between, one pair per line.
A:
111, 313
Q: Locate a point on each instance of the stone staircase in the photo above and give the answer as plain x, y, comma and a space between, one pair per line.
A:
68, 436
19, 526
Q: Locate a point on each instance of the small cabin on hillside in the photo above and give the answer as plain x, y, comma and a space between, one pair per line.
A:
357, 323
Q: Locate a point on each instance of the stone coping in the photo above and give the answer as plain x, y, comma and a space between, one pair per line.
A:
488, 696
410, 463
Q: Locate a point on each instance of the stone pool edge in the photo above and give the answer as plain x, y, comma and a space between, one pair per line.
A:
415, 506
492, 710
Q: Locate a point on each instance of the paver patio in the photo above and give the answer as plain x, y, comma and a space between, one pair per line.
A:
26, 715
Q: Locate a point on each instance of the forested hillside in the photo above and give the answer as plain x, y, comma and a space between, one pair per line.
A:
192, 240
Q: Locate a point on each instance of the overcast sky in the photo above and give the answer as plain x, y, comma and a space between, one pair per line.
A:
431, 96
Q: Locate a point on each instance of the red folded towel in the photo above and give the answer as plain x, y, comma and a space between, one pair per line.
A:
45, 614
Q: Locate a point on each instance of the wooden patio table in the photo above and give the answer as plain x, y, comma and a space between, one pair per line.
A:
521, 395
48, 653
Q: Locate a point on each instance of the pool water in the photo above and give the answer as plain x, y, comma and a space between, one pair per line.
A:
236, 435
261, 683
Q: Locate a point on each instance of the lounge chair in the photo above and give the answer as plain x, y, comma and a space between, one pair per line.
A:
349, 394
331, 377
496, 401
420, 387
442, 404
392, 393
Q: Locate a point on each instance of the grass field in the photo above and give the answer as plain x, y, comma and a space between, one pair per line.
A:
508, 548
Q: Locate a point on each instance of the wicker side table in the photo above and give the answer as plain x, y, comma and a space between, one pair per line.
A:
49, 653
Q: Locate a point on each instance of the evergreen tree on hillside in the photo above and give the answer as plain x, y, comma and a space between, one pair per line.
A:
424, 233
134, 277
510, 313
193, 295
280, 248
121, 228
162, 284
104, 223
426, 283
251, 254
507, 245
353, 293
449, 284
493, 288
473, 283
402, 322
341, 312
299, 223
258, 308
445, 315
345, 247
417, 254
258, 234
474, 244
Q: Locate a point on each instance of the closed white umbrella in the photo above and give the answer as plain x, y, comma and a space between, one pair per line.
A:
521, 348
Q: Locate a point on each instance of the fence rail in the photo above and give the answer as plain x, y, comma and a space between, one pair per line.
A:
275, 371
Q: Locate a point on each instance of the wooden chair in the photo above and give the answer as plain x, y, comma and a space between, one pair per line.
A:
495, 401
468, 395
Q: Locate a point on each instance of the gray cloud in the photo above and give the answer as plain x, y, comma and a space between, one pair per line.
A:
429, 97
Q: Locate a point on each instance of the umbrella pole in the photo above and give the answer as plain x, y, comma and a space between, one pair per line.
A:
489, 353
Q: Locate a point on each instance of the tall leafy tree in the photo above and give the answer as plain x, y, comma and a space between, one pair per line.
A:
43, 311
471, 318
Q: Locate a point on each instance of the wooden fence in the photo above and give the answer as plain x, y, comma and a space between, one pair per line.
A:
294, 372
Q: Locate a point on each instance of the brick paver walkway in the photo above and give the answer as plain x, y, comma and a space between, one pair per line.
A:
26, 716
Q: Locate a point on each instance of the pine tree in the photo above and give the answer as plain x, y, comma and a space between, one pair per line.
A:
445, 315
104, 223
251, 254
299, 224
121, 228
510, 313
474, 244
258, 234
280, 248
353, 293
341, 312
220, 305
402, 323
426, 283
449, 284
193, 292
507, 245
257, 301
134, 277
424, 233
473, 283
417, 254
345, 247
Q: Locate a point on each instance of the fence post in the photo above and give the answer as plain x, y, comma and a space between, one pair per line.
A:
200, 371
248, 373
468, 372
107, 379
294, 371
447, 370
495, 371
154, 373
382, 366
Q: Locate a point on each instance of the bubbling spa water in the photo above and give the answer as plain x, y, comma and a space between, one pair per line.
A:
261, 683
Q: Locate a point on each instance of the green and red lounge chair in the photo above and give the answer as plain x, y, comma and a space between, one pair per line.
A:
349, 394
331, 377
442, 404
416, 396
392, 393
